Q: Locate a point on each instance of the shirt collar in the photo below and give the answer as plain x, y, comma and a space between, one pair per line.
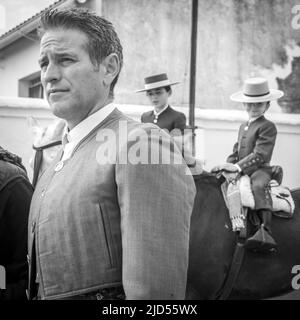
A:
253, 119
161, 111
83, 128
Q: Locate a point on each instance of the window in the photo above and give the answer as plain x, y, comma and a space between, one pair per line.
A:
35, 89
31, 86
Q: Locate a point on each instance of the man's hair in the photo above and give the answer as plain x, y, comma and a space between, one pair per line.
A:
102, 37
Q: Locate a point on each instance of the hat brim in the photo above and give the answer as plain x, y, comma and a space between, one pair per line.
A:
157, 86
273, 95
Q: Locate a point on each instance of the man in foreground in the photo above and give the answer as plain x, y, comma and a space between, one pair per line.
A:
110, 217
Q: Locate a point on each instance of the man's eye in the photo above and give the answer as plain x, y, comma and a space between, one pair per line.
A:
43, 64
66, 59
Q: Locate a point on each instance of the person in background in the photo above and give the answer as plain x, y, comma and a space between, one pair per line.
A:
158, 90
252, 155
15, 196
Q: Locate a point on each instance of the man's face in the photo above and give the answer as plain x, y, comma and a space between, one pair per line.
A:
158, 97
257, 109
72, 84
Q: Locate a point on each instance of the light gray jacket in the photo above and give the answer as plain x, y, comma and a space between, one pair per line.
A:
98, 224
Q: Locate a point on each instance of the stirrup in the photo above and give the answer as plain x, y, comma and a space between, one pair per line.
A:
261, 241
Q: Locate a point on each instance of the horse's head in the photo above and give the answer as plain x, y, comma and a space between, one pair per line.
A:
46, 139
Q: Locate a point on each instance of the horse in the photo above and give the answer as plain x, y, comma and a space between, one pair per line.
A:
46, 144
212, 246
213, 243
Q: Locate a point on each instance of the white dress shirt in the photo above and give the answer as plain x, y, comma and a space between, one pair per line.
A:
253, 119
72, 138
162, 110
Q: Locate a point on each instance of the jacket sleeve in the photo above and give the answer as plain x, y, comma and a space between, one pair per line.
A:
143, 116
180, 122
233, 158
263, 150
14, 209
156, 202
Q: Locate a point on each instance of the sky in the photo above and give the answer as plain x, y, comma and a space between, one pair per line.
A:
14, 12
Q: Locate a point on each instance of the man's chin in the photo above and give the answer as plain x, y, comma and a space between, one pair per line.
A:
60, 110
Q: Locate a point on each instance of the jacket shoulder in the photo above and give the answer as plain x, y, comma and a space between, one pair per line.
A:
146, 114
267, 124
123, 122
176, 113
9, 171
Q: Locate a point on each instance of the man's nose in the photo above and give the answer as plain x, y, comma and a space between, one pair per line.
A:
52, 73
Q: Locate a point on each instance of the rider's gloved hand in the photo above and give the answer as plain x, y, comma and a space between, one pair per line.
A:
228, 167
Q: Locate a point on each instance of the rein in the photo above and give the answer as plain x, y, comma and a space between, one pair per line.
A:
39, 158
238, 256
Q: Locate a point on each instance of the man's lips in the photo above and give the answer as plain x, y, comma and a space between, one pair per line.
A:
55, 95
52, 91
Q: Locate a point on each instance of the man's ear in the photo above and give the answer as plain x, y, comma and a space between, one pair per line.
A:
111, 66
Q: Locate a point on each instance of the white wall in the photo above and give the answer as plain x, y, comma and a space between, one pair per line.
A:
17, 61
215, 136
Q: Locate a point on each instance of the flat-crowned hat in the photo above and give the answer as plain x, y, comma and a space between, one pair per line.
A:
256, 90
156, 81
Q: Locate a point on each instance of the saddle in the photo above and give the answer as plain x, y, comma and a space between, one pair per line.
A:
238, 197
282, 202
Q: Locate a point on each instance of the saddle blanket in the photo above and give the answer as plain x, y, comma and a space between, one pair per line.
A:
283, 203
238, 196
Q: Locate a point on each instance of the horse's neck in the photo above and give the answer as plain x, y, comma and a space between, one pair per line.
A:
209, 202
296, 195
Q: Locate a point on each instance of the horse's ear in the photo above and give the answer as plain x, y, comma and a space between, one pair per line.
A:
59, 128
33, 124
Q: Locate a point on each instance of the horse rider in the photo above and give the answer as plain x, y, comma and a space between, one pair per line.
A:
252, 154
158, 90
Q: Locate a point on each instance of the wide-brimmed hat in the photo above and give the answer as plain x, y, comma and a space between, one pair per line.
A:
156, 81
256, 90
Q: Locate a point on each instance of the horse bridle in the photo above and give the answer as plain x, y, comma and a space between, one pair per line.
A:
39, 158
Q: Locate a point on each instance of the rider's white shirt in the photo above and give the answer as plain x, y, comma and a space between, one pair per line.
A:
72, 138
161, 111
